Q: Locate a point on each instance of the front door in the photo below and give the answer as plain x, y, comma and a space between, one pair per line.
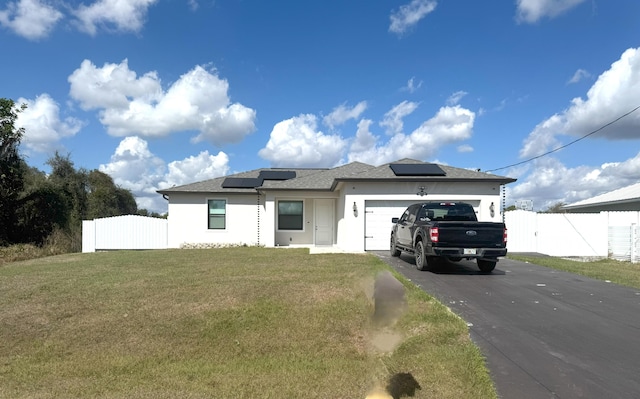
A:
324, 221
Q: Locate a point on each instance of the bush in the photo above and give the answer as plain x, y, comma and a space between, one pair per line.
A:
58, 242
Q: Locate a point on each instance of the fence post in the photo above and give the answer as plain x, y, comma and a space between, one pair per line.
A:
634, 242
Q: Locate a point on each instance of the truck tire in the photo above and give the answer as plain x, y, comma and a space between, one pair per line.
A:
486, 266
393, 249
421, 257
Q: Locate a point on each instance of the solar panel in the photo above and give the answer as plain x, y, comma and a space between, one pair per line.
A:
417, 169
277, 174
241, 182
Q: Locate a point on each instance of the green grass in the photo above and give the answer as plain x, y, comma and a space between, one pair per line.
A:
220, 323
623, 273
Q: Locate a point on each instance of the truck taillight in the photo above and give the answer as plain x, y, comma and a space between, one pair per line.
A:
434, 234
504, 236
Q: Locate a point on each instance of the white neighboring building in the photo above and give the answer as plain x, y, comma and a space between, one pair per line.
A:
348, 207
623, 199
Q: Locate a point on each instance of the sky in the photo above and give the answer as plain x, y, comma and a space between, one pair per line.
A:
160, 93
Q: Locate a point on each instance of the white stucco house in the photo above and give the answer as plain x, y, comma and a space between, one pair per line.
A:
348, 208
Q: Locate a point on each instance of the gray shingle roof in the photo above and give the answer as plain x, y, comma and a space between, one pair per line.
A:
327, 179
384, 172
624, 194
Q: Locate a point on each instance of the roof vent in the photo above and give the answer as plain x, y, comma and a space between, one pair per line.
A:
417, 169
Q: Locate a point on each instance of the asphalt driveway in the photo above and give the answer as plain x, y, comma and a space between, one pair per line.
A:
545, 333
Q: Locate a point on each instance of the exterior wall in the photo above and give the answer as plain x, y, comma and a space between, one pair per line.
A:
188, 219
351, 227
248, 222
306, 237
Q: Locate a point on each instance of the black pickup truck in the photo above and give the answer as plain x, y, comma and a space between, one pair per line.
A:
433, 231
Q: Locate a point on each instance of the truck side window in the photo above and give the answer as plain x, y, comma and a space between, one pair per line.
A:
425, 215
412, 217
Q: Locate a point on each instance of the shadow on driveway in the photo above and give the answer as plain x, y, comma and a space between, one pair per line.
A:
463, 267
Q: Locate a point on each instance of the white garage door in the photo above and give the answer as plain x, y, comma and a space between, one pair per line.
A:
377, 222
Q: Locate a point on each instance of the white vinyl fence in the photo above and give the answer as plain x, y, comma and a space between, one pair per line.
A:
605, 234
124, 232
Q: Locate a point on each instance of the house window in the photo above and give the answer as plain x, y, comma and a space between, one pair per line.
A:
217, 213
290, 215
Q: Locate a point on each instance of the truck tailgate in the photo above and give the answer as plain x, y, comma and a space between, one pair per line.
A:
470, 235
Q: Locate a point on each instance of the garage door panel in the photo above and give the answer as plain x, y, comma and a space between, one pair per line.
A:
378, 215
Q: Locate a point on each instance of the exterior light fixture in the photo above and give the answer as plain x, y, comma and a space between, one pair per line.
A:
492, 210
421, 193
355, 210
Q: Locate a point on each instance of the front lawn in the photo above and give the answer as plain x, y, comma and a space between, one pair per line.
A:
623, 273
222, 323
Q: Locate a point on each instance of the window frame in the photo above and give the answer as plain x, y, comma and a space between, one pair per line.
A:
224, 215
302, 220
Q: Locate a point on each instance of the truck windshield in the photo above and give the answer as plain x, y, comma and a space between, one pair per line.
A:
448, 211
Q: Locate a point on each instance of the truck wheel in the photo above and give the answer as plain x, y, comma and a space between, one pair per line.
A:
394, 250
421, 258
486, 266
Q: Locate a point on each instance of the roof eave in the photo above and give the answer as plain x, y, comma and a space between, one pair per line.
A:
606, 203
428, 178
169, 192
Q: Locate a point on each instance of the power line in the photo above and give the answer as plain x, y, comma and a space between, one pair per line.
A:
570, 143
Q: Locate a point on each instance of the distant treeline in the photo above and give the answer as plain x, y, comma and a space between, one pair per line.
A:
34, 205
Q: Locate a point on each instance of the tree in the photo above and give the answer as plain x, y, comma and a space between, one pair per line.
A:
73, 185
39, 213
126, 202
555, 208
105, 199
12, 166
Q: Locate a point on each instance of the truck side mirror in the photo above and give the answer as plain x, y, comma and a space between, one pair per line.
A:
394, 220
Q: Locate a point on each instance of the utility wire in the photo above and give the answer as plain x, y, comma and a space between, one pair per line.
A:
570, 143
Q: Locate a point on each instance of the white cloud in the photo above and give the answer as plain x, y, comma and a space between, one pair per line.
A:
616, 92
465, 148
364, 147
455, 98
412, 86
531, 11
364, 139
116, 15
578, 76
342, 113
131, 105
449, 125
393, 118
408, 15
133, 166
31, 19
196, 168
297, 142
551, 182
42, 124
